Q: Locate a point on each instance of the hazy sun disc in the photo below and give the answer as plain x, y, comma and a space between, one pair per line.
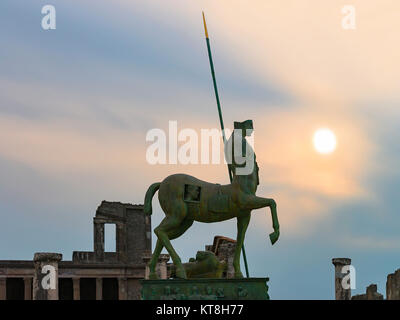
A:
324, 141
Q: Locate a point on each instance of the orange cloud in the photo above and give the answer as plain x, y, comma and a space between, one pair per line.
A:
302, 181
287, 157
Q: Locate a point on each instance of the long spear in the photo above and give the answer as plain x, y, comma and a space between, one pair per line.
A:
221, 121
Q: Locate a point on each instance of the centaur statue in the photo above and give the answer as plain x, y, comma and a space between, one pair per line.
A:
185, 199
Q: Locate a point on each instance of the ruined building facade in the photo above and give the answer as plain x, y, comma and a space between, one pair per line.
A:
97, 274
90, 275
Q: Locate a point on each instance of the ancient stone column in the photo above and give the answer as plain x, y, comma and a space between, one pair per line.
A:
121, 242
146, 257
99, 289
122, 289
28, 288
77, 288
2, 288
98, 235
340, 292
45, 279
161, 267
393, 286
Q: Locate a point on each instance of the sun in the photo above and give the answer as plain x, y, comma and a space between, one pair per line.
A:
324, 141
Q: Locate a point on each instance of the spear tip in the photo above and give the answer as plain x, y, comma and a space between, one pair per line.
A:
205, 25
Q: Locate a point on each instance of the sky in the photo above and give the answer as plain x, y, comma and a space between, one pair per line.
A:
77, 102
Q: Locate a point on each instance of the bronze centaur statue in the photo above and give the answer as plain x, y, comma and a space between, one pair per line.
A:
185, 199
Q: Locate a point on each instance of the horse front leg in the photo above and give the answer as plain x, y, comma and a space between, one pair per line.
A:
242, 224
249, 201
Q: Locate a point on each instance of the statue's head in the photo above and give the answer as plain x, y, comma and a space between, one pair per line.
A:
246, 127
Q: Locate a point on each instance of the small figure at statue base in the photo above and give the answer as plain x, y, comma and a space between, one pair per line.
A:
205, 265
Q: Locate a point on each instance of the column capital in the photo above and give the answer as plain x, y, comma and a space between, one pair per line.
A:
341, 261
47, 257
146, 256
164, 258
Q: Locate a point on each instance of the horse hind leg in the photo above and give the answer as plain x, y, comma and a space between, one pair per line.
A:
154, 259
186, 224
172, 224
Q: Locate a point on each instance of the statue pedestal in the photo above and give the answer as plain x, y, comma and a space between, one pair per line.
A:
205, 289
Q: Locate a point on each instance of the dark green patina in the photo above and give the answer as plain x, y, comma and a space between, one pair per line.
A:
206, 289
185, 199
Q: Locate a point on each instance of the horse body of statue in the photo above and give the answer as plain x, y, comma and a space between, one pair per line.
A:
202, 201
185, 199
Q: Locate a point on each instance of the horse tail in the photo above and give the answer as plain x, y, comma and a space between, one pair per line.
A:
148, 210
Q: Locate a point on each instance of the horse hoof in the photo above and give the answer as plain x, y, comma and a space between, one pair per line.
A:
153, 276
238, 275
